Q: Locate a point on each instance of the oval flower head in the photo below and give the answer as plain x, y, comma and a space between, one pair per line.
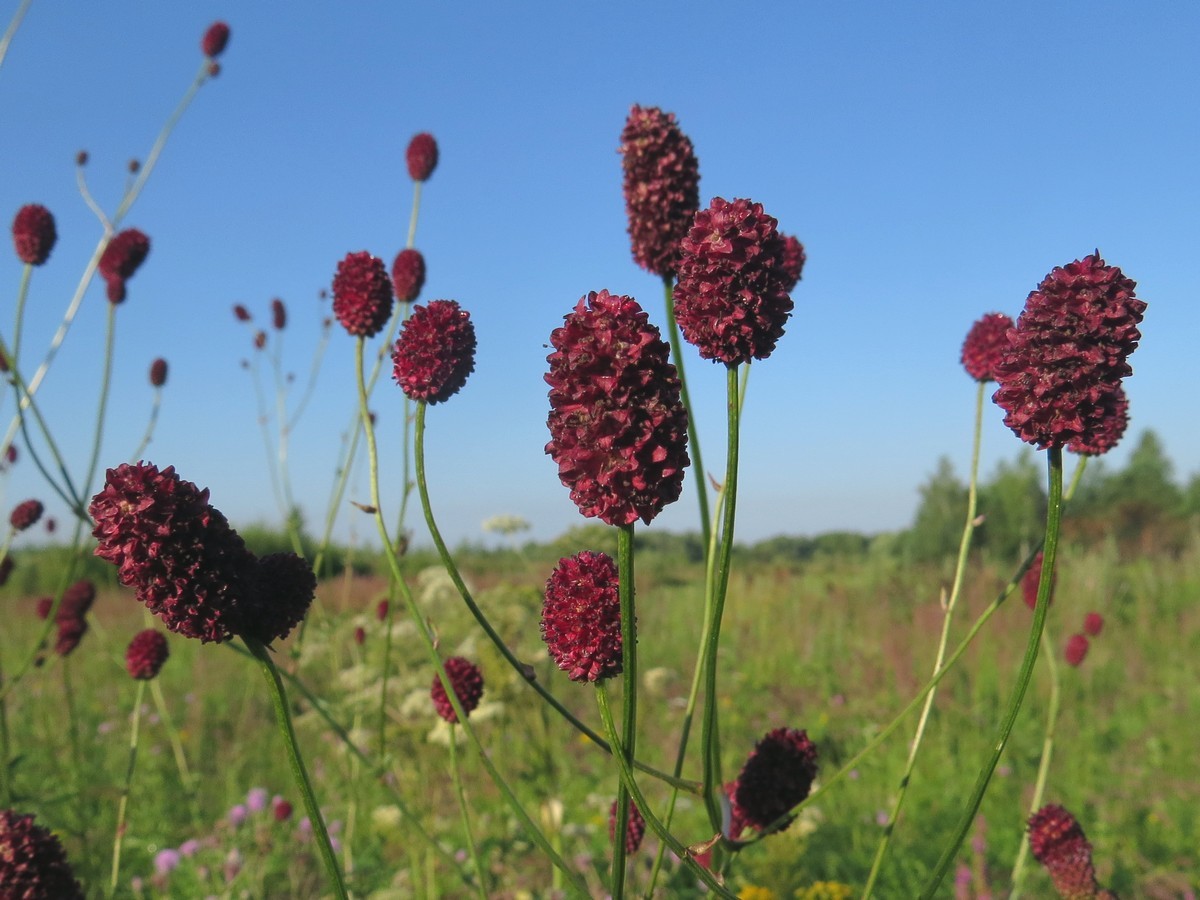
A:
618, 430
33, 863
984, 345
732, 298
581, 617
1060, 374
435, 352
467, 681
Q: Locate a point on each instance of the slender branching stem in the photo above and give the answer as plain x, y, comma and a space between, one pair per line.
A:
460, 794
13, 25
1024, 675
119, 838
629, 681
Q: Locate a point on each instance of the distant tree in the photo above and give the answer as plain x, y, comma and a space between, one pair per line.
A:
1013, 504
937, 526
1149, 478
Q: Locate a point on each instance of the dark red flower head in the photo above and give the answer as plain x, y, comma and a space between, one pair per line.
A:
278, 314
158, 372
618, 430
260, 339
581, 617
1059, 844
77, 600
286, 587
121, 259
241, 313
435, 352
25, 514
732, 298
281, 809
1030, 581
635, 827
6, 567
188, 566
984, 345
34, 234
1061, 370
421, 156
408, 274
362, 294
1109, 420
70, 633
662, 187
777, 775
1093, 623
33, 864
794, 259
146, 653
468, 686
1076, 649
215, 40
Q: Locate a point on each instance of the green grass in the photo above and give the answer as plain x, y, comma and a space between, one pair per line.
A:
832, 645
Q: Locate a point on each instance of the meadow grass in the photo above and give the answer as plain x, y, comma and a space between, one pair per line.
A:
834, 645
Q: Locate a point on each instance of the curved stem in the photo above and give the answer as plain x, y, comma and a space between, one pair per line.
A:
110, 335
13, 25
699, 475
628, 743
709, 736
299, 773
1024, 675
423, 630
1018, 873
656, 825
456, 776
525, 671
960, 569
150, 426
121, 805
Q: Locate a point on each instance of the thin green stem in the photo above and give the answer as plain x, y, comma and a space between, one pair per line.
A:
1024, 675
698, 473
155, 406
13, 25
629, 680
19, 315
627, 779
1017, 880
964, 548
134, 731
426, 635
709, 728
299, 773
5, 752
523, 670
110, 336
456, 776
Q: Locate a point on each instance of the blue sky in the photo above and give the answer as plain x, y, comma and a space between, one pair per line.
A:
937, 160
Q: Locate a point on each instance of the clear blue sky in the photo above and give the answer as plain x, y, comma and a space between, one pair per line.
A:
937, 160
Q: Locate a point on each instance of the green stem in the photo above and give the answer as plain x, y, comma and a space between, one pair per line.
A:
628, 744
1049, 555
711, 749
299, 773
12, 28
423, 629
456, 776
1018, 873
627, 779
110, 333
698, 473
523, 670
960, 569
150, 426
5, 752
125, 788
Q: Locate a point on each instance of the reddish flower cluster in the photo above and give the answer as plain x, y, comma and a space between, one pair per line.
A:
435, 352
618, 430
408, 274
794, 259
241, 313
468, 687
984, 345
362, 294
33, 864
662, 187
71, 617
1060, 375
635, 827
581, 617
158, 372
281, 809
187, 564
421, 156
278, 314
215, 40
777, 775
1093, 623
122, 257
1030, 581
1058, 843
25, 514
732, 299
146, 653
34, 234
1076, 649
